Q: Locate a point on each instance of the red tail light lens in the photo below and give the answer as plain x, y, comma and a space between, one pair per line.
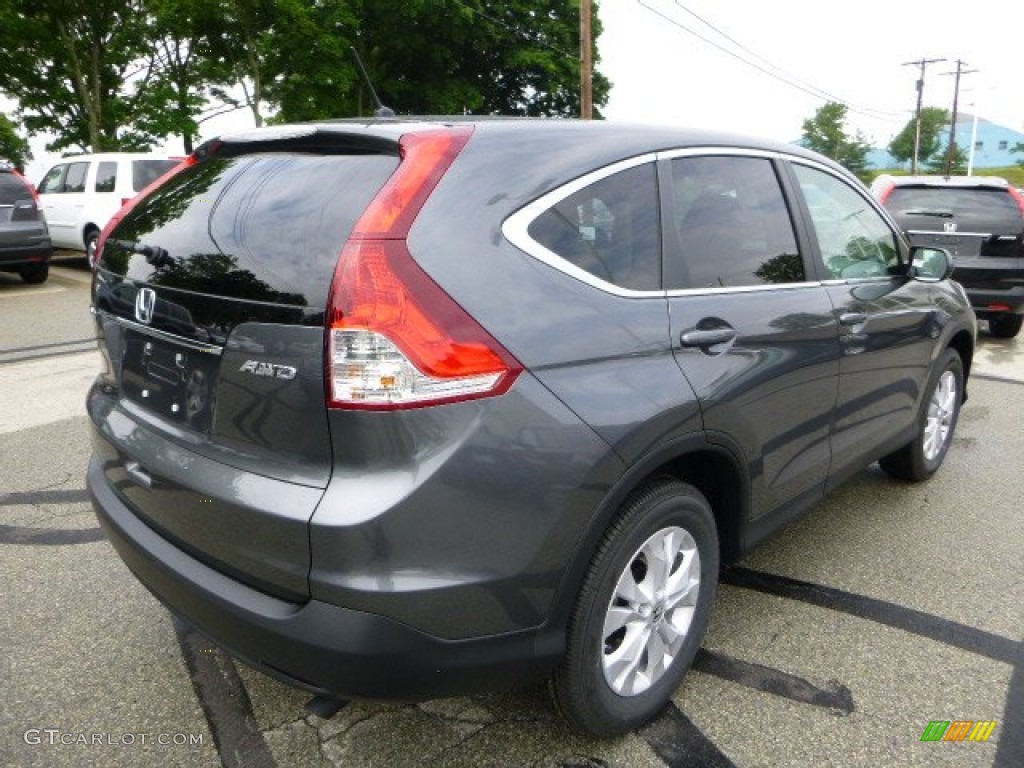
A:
395, 338
885, 192
128, 203
1016, 194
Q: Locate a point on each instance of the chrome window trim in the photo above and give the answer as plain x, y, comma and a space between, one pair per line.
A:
199, 346
516, 227
957, 234
742, 289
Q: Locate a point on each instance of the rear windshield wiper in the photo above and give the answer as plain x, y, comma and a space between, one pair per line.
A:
154, 254
937, 214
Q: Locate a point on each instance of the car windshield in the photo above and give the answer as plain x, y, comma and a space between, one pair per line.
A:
962, 202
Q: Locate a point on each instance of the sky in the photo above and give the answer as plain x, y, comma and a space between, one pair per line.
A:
851, 51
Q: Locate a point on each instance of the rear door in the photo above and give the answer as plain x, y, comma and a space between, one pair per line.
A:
887, 323
210, 298
752, 329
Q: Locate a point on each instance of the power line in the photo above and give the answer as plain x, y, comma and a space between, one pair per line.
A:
779, 74
521, 33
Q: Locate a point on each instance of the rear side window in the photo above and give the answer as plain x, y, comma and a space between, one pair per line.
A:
963, 203
609, 229
732, 223
266, 227
854, 239
75, 179
145, 172
106, 176
13, 189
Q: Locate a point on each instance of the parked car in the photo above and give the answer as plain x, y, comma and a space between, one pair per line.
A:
980, 220
24, 239
81, 193
412, 409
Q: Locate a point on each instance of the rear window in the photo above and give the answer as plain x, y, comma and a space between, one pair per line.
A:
265, 227
609, 229
12, 189
145, 172
106, 176
962, 202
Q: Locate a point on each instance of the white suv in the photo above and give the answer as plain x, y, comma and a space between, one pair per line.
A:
81, 193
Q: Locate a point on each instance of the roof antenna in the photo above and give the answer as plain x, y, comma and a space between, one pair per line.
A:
381, 110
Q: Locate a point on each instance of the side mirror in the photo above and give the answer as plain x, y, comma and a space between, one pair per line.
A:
930, 264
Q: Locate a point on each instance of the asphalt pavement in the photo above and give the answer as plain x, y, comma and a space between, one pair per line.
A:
836, 643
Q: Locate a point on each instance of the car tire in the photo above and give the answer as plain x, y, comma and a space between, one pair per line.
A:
1005, 326
936, 423
92, 239
612, 681
34, 273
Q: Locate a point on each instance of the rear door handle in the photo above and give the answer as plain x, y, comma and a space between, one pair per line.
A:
853, 318
706, 338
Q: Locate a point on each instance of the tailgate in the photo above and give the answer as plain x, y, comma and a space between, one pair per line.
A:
209, 298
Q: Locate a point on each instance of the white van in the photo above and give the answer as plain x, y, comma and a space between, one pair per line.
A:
82, 192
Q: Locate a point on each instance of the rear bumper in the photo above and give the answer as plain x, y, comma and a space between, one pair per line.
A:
28, 253
993, 300
317, 645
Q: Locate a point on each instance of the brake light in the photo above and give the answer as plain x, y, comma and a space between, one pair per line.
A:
127, 203
1016, 195
29, 184
395, 338
883, 195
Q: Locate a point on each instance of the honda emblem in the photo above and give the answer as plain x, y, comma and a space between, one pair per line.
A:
145, 301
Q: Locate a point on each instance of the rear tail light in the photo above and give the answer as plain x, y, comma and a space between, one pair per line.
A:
1016, 195
884, 193
395, 338
30, 185
127, 203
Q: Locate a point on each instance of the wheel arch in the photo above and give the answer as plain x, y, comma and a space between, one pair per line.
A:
88, 229
963, 344
711, 467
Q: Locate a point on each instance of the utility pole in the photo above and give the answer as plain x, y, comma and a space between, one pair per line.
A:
956, 97
586, 62
922, 63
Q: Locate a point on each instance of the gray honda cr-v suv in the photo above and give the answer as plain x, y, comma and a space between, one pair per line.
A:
411, 409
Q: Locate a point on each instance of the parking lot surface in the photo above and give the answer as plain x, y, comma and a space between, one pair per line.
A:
836, 643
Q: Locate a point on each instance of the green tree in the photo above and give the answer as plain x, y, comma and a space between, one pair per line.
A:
13, 147
123, 74
825, 133
78, 69
1018, 149
513, 58
937, 164
933, 120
